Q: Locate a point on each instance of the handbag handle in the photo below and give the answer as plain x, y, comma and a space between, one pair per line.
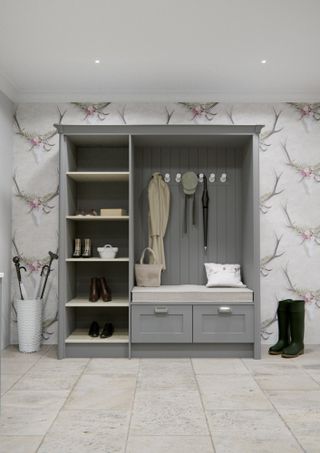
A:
150, 251
107, 246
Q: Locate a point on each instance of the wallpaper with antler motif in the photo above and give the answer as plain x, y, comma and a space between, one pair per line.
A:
289, 189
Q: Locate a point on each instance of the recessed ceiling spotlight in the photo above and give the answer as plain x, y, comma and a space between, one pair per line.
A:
97, 61
263, 61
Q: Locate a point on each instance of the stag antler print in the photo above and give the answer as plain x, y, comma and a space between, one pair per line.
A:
39, 143
169, 115
264, 270
307, 110
311, 297
264, 207
122, 114
37, 204
201, 110
310, 236
32, 264
265, 325
307, 172
229, 114
93, 110
264, 136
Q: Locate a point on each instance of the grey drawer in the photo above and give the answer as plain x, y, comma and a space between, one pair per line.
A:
161, 323
223, 323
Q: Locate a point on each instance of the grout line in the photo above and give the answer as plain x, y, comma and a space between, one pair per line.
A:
21, 376
132, 406
202, 404
276, 410
62, 407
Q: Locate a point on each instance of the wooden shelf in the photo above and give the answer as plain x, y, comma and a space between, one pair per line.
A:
97, 260
81, 336
82, 302
97, 176
80, 218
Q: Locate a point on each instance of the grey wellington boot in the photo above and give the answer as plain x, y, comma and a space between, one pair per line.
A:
296, 321
283, 326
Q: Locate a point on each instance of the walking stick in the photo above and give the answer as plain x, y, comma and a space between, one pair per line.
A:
16, 261
205, 206
47, 268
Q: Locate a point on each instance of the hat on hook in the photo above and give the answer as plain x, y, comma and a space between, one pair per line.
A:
189, 182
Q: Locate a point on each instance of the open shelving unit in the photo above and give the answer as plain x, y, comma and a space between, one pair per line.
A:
94, 175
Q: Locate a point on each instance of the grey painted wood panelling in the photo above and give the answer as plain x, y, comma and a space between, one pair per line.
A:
185, 253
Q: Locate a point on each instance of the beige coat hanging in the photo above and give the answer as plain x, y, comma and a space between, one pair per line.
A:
159, 206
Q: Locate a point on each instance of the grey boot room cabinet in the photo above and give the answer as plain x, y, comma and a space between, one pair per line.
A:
104, 166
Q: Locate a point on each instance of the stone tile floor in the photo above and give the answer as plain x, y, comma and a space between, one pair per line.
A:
159, 405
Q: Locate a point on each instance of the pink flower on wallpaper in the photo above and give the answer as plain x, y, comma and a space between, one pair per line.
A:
93, 112
40, 143
201, 110
38, 205
309, 173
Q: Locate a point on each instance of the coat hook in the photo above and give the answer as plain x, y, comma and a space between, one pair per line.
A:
200, 177
167, 177
212, 177
223, 177
178, 177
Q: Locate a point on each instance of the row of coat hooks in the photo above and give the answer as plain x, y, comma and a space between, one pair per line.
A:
212, 177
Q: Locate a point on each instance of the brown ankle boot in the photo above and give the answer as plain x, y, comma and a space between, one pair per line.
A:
105, 290
94, 290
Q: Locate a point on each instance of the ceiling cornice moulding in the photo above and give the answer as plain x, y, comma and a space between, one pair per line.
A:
166, 97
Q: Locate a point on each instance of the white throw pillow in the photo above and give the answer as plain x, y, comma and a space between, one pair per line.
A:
223, 275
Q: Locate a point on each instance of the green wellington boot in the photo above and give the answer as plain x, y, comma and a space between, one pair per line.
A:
296, 321
283, 326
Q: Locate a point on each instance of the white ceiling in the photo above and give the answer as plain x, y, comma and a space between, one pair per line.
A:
160, 50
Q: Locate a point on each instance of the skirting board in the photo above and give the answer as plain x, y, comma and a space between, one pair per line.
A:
179, 350
96, 350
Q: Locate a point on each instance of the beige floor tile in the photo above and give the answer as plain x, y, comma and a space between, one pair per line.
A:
97, 391
165, 382
88, 431
250, 432
22, 444
169, 444
8, 381
34, 399
229, 392
47, 381
219, 366
168, 412
16, 366
260, 368
165, 366
287, 382
118, 367
54, 366
13, 352
305, 426
25, 421
295, 399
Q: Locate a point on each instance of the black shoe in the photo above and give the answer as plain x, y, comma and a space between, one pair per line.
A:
94, 329
107, 331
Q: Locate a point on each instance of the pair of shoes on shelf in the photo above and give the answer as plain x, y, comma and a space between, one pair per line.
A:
107, 331
84, 252
81, 213
99, 288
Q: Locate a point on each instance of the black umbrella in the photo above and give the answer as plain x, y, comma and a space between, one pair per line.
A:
205, 206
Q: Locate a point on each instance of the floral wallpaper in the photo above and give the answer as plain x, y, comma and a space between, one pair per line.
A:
289, 188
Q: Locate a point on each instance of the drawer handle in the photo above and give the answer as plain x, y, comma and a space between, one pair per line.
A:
225, 310
161, 310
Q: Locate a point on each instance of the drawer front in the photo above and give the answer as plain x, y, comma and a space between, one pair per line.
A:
223, 323
162, 323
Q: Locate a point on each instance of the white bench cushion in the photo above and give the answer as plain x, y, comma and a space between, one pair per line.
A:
191, 293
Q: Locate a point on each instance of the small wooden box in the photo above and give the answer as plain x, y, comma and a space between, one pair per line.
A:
112, 212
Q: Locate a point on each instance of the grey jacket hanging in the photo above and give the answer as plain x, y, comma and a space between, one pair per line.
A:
159, 206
